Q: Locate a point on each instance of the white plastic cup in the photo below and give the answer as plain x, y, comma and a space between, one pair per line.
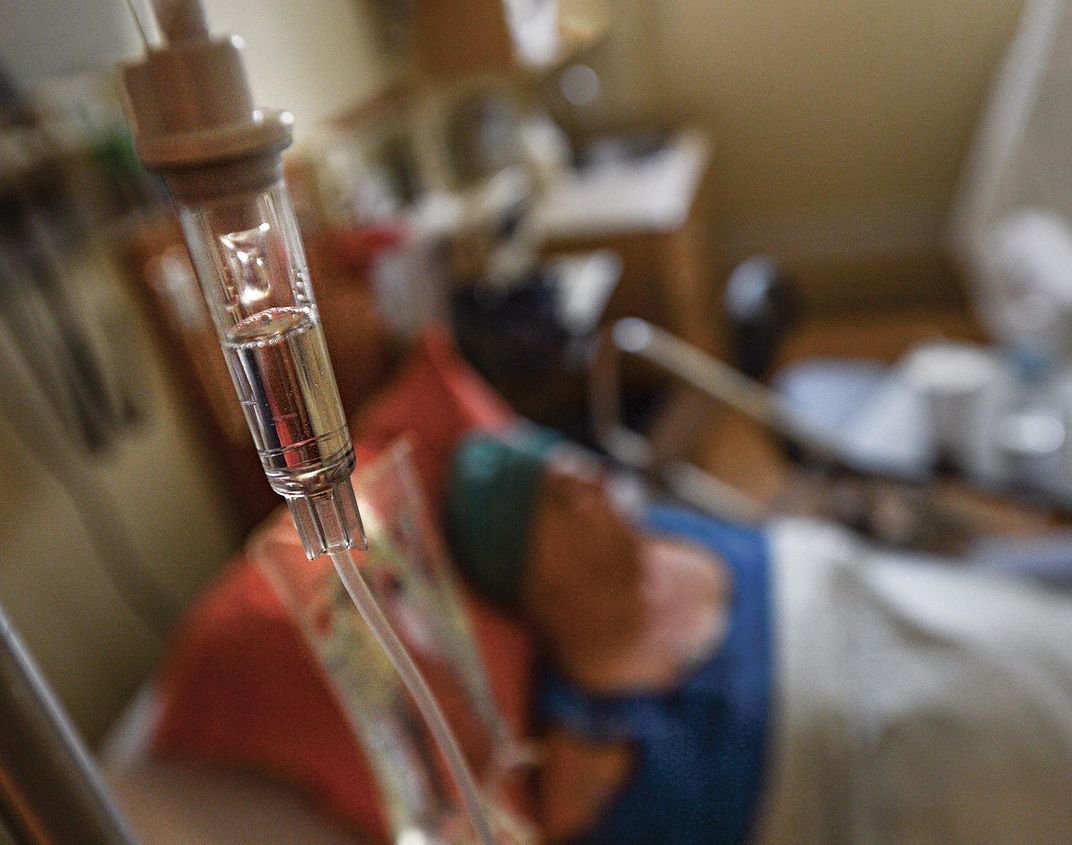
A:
956, 381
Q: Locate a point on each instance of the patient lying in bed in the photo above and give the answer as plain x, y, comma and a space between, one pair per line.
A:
705, 682
709, 683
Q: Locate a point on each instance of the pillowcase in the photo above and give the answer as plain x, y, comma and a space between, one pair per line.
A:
240, 687
438, 398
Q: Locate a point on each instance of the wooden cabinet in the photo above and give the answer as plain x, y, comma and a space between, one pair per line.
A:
455, 40
654, 212
461, 37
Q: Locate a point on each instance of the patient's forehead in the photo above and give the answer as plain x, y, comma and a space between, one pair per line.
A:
576, 462
624, 491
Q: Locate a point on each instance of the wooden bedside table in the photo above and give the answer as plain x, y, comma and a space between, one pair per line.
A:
653, 212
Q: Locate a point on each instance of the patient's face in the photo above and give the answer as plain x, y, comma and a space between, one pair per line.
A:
582, 577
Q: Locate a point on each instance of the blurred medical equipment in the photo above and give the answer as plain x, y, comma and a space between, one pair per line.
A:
1012, 206
44, 438
41, 221
997, 417
664, 455
73, 389
761, 307
195, 123
1000, 415
73, 400
881, 485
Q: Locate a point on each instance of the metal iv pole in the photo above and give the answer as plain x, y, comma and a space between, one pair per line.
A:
50, 792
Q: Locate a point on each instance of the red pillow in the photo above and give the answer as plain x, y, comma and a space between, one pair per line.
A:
240, 687
438, 398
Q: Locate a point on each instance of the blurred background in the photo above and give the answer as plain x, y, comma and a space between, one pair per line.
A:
526, 172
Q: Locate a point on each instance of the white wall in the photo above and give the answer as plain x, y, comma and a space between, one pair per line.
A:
314, 57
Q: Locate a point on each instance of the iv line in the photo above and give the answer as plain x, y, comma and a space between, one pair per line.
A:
411, 676
137, 22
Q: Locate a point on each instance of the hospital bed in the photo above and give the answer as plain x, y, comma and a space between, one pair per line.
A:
170, 804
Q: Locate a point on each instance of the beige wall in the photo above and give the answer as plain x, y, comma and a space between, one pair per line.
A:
840, 124
53, 585
315, 58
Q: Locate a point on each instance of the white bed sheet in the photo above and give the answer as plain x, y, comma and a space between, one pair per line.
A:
168, 803
917, 704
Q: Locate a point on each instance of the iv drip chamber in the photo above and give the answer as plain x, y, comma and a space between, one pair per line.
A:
250, 262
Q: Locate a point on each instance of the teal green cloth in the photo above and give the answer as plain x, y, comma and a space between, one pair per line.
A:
490, 503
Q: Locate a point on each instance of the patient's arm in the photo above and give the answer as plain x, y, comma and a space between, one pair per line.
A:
641, 632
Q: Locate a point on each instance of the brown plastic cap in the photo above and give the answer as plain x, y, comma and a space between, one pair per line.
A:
191, 108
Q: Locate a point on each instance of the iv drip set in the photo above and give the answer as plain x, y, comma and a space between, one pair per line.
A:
195, 124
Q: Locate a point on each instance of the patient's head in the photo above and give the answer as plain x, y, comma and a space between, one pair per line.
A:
533, 527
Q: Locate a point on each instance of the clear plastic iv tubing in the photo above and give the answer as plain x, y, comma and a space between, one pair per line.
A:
418, 688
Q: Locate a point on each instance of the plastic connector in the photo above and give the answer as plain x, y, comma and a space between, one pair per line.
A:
328, 521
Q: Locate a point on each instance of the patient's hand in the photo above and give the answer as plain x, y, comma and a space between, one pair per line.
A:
576, 783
